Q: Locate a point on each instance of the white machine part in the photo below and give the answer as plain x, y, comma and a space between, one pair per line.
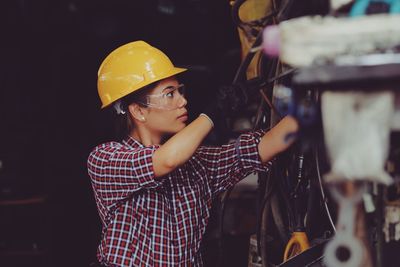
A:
307, 40
336, 4
357, 129
391, 227
396, 116
345, 240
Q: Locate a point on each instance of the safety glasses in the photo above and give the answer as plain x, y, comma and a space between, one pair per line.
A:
170, 98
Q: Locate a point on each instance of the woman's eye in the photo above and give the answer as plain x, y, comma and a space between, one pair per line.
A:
170, 94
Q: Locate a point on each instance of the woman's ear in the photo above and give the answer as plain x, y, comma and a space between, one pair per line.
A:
136, 112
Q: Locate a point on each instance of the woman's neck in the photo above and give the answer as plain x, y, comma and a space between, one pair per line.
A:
145, 137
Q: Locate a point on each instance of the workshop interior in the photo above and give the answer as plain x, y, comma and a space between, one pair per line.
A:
332, 199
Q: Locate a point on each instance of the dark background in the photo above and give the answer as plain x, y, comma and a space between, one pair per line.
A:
50, 114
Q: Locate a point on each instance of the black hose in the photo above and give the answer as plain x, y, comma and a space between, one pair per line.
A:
240, 73
266, 198
224, 201
328, 213
247, 60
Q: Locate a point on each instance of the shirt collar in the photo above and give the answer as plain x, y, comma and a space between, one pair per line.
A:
132, 142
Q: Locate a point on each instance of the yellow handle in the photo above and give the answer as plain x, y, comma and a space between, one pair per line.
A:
297, 244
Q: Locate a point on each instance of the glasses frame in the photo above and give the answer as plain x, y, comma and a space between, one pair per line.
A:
181, 90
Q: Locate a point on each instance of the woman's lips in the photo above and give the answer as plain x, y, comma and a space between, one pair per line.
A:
183, 117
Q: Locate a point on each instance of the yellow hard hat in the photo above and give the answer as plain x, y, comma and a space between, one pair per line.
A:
131, 67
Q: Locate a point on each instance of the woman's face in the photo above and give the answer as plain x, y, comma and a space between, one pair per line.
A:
166, 113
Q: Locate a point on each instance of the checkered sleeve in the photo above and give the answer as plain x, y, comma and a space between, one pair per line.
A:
116, 171
228, 164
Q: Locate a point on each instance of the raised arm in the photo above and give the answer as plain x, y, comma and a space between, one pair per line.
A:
277, 139
228, 164
180, 147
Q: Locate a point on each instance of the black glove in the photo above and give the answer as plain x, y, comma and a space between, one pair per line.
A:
305, 110
308, 116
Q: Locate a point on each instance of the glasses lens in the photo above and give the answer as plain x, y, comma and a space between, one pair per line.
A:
175, 97
182, 89
169, 99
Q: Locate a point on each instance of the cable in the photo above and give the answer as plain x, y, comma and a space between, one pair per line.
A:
259, 114
275, 210
247, 60
322, 190
221, 224
272, 106
261, 212
249, 56
248, 27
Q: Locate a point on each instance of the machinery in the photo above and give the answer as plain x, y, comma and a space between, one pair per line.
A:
326, 201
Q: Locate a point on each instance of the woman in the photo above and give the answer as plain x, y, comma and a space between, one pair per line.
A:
154, 197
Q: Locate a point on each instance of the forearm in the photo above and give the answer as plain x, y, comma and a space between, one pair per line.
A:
274, 141
180, 147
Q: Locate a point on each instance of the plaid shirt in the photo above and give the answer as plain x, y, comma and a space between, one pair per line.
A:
160, 222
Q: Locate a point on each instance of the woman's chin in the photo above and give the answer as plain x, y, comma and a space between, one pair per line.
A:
179, 129
175, 129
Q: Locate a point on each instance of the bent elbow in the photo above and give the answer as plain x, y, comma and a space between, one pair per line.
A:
164, 164
171, 163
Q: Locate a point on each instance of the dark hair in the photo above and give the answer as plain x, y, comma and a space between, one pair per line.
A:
124, 122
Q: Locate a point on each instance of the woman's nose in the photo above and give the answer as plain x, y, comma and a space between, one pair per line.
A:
182, 101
